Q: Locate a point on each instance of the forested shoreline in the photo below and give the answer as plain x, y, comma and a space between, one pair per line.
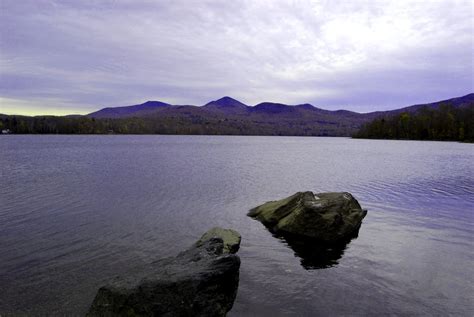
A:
168, 125
446, 123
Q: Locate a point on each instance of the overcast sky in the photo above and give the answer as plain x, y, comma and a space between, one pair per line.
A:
77, 56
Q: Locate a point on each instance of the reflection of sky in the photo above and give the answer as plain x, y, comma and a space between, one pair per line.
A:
78, 210
423, 256
74, 57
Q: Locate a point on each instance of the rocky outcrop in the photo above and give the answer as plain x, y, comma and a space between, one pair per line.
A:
201, 281
327, 217
230, 239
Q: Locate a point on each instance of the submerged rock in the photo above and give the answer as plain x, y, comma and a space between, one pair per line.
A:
201, 281
327, 217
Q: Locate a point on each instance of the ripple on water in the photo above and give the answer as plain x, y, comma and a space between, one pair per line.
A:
77, 211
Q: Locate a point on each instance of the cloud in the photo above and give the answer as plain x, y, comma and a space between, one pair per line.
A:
360, 55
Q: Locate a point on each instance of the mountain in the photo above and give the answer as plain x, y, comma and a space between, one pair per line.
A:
273, 108
226, 105
224, 116
230, 106
230, 116
458, 102
129, 111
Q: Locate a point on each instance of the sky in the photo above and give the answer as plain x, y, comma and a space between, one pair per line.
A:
69, 56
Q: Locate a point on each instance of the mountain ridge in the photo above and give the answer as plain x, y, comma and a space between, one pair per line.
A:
224, 116
229, 105
144, 108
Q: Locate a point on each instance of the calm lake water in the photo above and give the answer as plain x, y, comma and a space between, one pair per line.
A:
76, 211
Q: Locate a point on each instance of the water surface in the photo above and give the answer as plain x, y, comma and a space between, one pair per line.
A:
76, 211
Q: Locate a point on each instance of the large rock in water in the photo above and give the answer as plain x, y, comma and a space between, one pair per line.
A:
328, 217
201, 281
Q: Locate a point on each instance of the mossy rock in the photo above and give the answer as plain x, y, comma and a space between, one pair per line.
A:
231, 239
329, 217
200, 281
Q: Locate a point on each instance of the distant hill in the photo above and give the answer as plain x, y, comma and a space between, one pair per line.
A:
227, 105
230, 116
230, 106
129, 111
226, 116
458, 102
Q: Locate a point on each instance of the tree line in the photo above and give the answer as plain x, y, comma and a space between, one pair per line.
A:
197, 125
444, 123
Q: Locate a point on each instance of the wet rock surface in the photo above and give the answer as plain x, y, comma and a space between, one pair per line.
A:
327, 217
318, 227
201, 281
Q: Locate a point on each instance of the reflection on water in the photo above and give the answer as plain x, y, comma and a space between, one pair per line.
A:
316, 254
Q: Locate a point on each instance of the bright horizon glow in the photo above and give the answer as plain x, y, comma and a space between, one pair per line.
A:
69, 57
28, 108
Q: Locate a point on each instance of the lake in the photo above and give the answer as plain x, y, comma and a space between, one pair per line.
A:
76, 211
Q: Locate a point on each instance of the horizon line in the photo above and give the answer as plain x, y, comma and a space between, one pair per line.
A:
84, 113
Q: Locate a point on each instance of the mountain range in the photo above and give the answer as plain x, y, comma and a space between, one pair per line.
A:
230, 116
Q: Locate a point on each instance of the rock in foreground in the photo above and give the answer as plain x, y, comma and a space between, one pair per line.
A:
201, 281
328, 217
